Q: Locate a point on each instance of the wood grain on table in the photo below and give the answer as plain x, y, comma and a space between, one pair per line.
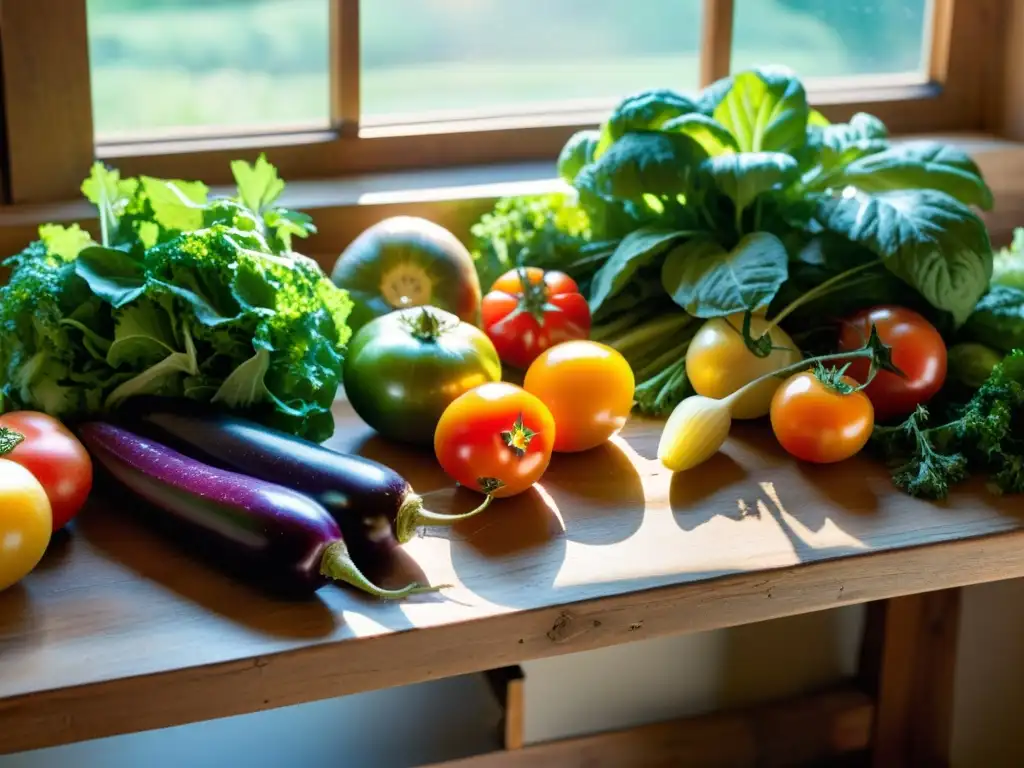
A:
118, 631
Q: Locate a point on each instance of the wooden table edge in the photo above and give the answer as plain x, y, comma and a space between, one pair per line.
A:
60, 716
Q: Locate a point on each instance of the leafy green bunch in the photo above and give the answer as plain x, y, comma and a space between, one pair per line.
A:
731, 191
183, 296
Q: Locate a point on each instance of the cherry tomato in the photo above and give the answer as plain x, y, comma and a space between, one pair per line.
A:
56, 458
25, 522
524, 321
814, 422
917, 349
496, 438
588, 387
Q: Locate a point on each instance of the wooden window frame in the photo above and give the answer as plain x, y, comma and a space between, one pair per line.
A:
49, 128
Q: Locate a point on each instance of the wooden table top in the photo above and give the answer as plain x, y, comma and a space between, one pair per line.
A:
117, 631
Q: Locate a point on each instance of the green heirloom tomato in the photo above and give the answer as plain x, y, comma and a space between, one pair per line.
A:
404, 262
404, 368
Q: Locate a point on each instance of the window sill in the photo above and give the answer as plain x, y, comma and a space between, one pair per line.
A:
455, 197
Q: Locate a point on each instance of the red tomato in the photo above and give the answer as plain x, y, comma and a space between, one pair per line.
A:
523, 322
59, 462
496, 438
814, 422
917, 349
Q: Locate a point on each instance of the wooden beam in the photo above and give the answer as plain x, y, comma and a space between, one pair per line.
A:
345, 66
716, 40
47, 96
912, 678
507, 684
813, 728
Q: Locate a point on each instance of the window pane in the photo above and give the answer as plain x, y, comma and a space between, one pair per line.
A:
832, 38
501, 57
161, 65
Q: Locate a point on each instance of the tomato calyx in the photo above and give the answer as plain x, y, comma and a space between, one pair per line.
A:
9, 440
833, 378
518, 437
426, 326
489, 485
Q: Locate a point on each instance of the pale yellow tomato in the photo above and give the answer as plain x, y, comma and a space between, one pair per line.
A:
25, 522
718, 363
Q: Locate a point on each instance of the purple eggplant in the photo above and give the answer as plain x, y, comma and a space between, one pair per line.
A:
274, 535
372, 503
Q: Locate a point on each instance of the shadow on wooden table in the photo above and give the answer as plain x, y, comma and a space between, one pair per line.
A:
594, 497
133, 545
598, 494
690, 492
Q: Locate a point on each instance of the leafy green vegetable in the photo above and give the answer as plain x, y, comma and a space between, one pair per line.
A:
577, 152
185, 297
742, 177
998, 319
927, 239
1009, 263
986, 436
919, 165
766, 110
549, 231
637, 249
706, 131
645, 111
707, 281
648, 163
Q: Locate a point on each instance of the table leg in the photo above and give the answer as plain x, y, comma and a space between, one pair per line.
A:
908, 666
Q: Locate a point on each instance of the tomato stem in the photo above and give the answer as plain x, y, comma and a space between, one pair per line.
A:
879, 353
427, 326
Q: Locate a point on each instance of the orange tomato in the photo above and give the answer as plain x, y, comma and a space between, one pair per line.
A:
495, 438
588, 387
816, 423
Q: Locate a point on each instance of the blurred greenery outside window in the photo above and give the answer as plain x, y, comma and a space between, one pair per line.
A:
182, 67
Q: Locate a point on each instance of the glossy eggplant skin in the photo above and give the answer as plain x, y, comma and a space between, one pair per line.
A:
363, 496
254, 528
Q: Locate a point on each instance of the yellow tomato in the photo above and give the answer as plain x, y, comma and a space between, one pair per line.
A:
25, 522
718, 363
588, 387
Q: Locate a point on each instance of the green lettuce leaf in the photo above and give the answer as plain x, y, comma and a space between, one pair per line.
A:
636, 250
927, 238
919, 165
766, 110
742, 177
706, 280
646, 111
648, 163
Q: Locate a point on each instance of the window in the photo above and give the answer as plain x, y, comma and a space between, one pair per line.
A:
335, 87
166, 67
822, 39
437, 58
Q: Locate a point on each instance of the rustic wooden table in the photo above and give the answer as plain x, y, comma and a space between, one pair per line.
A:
117, 631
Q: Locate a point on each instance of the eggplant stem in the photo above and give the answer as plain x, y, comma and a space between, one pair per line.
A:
337, 564
411, 515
